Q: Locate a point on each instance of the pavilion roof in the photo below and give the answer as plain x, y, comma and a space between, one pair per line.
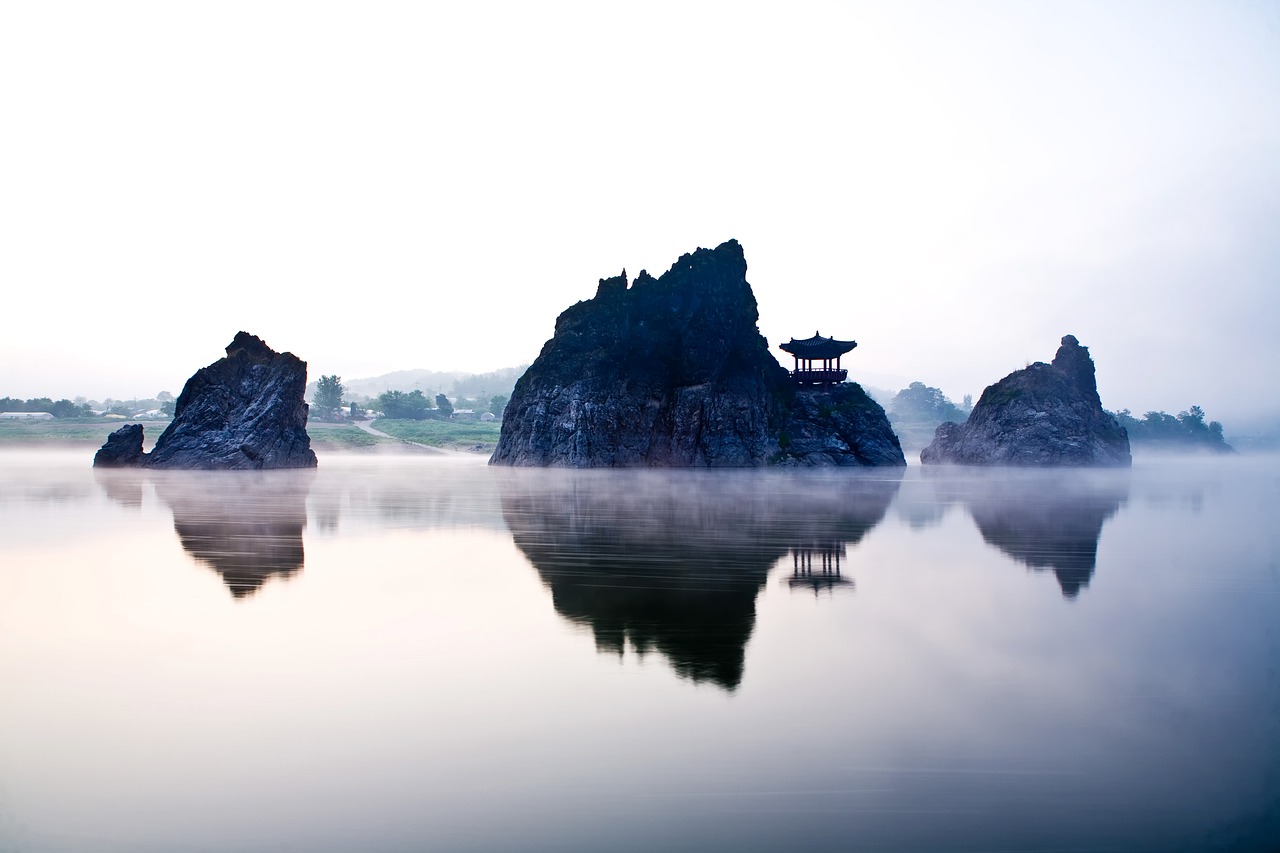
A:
817, 347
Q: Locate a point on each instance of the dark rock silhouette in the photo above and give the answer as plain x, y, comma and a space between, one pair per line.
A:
837, 426
672, 372
123, 449
245, 411
1043, 415
248, 528
673, 563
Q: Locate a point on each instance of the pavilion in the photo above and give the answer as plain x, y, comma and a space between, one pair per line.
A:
818, 349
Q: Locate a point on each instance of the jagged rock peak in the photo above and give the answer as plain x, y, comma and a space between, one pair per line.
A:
1073, 360
1042, 415
610, 287
244, 411
252, 347
673, 372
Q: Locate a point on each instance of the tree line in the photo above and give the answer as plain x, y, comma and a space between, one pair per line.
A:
82, 408
330, 402
918, 409
1186, 429
58, 408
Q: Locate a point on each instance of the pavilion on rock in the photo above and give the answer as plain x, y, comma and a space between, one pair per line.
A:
818, 359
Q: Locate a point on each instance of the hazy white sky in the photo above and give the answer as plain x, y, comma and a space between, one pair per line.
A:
380, 186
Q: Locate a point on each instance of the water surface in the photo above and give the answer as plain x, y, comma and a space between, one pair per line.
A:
411, 653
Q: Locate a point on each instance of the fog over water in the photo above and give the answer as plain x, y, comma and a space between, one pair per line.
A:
953, 184
395, 653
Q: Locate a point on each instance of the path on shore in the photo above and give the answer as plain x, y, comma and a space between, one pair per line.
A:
367, 426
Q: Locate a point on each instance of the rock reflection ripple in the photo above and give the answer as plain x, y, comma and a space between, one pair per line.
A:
673, 561
1044, 519
246, 526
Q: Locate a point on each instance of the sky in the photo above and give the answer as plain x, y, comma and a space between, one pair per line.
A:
386, 186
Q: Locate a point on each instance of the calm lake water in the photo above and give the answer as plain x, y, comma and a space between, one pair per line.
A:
424, 653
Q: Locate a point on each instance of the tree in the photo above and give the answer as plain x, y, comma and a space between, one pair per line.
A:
328, 395
397, 404
1187, 429
918, 403
443, 404
68, 409
497, 404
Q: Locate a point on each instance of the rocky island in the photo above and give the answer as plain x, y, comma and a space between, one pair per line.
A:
244, 411
1042, 415
672, 372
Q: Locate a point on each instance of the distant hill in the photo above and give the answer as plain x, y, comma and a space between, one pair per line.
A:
451, 383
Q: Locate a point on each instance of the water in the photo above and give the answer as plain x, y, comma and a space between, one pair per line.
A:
413, 653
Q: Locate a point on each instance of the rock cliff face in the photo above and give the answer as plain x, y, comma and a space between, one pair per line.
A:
245, 411
840, 425
123, 449
1043, 415
672, 372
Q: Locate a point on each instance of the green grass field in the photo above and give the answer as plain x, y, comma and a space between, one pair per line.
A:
93, 433
450, 435
346, 438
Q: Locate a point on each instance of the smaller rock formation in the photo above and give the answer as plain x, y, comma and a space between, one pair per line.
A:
122, 450
245, 411
1042, 415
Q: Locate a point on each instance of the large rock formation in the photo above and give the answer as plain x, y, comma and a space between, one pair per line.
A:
1042, 415
672, 372
245, 411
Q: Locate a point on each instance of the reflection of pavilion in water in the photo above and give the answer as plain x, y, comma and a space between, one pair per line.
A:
673, 561
827, 576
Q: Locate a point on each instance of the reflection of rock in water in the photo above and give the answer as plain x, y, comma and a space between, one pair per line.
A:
673, 562
247, 526
1048, 520
918, 513
124, 486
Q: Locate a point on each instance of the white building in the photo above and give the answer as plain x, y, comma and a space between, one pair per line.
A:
26, 416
